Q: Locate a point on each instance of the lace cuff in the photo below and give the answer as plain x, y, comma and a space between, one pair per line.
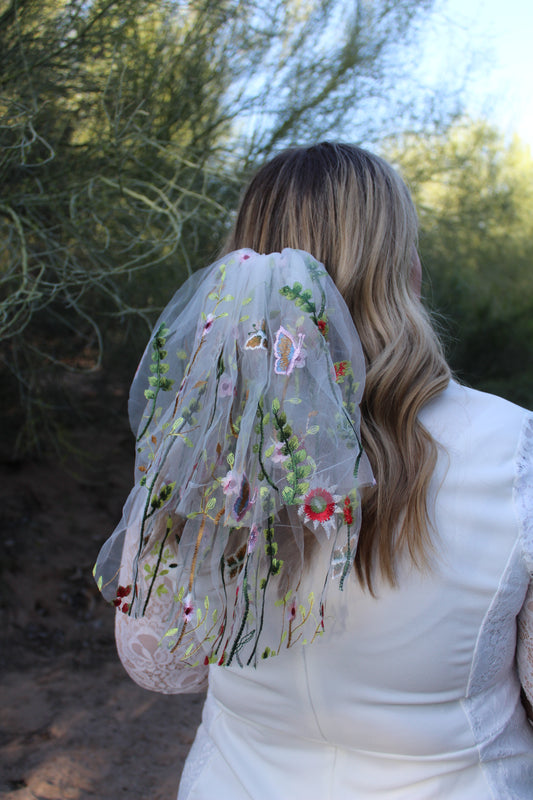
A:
524, 502
146, 659
150, 663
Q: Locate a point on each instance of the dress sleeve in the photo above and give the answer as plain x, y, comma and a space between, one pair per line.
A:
524, 653
145, 657
524, 503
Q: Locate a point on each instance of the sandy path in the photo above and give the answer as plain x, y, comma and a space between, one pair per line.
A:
70, 732
72, 723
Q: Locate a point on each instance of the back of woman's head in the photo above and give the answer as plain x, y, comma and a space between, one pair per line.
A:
344, 205
353, 212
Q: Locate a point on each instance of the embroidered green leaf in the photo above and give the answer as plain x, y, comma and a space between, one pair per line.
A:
275, 405
313, 430
161, 589
246, 301
181, 354
293, 443
230, 458
276, 565
244, 318
288, 495
212, 296
211, 503
269, 451
294, 400
228, 298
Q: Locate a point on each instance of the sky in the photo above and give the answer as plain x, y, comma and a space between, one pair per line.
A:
489, 43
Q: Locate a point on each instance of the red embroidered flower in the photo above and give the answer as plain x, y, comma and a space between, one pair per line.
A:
348, 511
122, 592
340, 369
319, 507
322, 326
291, 614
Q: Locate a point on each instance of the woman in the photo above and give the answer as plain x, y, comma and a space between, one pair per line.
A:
407, 686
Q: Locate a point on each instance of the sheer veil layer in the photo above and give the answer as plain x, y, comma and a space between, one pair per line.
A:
245, 407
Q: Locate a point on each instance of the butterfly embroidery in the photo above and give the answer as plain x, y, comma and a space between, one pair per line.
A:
288, 352
257, 338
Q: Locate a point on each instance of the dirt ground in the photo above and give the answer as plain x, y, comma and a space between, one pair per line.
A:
72, 724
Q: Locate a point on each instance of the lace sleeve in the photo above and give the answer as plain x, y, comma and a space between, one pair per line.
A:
524, 653
145, 658
524, 502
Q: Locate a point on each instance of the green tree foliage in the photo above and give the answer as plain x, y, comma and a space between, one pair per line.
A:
474, 194
126, 127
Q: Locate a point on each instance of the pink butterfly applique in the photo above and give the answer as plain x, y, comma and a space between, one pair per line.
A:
289, 353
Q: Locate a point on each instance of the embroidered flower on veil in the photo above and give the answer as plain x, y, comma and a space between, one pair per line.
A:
319, 508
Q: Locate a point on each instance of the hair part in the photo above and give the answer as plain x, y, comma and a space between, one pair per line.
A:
352, 211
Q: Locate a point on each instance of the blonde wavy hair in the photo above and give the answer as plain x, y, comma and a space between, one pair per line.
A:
353, 212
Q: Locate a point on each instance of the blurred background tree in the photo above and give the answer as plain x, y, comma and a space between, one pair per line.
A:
127, 128
474, 194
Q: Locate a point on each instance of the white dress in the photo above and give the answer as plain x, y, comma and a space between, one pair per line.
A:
413, 694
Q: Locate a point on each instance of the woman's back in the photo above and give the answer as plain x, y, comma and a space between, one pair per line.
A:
414, 693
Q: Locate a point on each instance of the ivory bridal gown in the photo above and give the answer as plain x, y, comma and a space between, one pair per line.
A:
413, 694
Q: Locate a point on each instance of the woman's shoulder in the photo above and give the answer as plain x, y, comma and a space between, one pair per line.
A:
461, 412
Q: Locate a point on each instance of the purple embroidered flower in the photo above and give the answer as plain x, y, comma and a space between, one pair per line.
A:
278, 457
252, 538
230, 483
225, 386
209, 320
188, 608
